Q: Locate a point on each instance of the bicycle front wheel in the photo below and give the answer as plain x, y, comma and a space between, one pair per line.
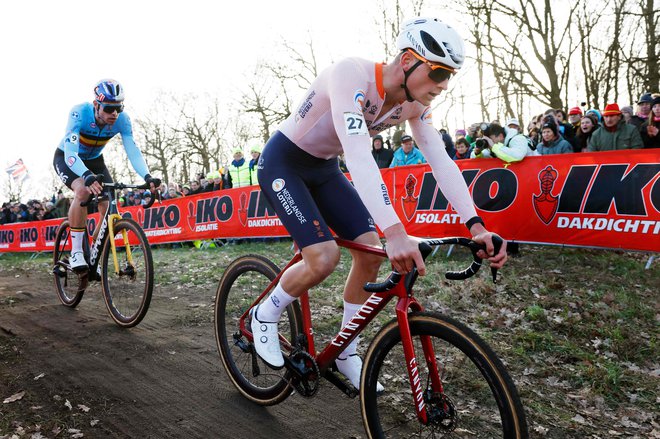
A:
479, 399
242, 282
127, 292
69, 286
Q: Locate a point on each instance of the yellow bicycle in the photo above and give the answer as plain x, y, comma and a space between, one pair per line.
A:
119, 257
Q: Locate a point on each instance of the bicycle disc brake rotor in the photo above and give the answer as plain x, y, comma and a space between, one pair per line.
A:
306, 377
441, 411
128, 271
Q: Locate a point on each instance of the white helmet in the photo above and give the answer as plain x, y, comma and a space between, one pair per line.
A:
433, 40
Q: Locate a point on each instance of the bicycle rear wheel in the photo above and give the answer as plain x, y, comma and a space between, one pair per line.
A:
69, 286
242, 282
479, 398
127, 294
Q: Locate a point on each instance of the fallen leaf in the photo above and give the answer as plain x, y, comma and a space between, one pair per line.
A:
93, 422
83, 407
68, 405
14, 397
579, 419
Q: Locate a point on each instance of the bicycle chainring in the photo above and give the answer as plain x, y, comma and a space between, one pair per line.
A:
307, 378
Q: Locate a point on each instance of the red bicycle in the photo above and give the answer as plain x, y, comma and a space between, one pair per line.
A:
457, 388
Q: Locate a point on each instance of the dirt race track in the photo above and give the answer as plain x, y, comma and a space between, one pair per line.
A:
161, 379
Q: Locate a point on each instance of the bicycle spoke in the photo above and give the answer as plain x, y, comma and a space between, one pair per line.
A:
128, 291
239, 287
69, 285
467, 407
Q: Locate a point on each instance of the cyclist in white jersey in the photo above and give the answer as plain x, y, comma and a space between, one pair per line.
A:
348, 103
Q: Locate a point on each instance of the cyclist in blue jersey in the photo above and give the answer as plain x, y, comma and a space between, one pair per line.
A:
79, 159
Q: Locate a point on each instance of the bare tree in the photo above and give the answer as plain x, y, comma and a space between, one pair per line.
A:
641, 53
270, 98
535, 61
158, 140
200, 134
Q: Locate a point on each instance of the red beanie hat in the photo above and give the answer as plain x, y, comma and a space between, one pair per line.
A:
575, 110
611, 110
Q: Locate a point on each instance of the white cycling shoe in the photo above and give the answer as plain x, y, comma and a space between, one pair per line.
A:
77, 262
266, 340
351, 368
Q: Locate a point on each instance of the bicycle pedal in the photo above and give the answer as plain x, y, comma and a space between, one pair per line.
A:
81, 271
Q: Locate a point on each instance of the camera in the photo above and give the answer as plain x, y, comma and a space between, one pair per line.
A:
481, 144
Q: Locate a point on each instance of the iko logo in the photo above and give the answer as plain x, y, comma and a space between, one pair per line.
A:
409, 202
545, 204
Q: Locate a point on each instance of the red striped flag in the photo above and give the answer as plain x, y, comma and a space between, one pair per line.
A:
18, 171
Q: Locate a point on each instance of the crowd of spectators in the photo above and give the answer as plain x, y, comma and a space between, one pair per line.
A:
238, 173
35, 210
556, 131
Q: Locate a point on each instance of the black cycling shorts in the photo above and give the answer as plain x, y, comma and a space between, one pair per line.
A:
97, 166
310, 194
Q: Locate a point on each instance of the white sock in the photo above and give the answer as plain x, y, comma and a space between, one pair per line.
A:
77, 236
272, 308
349, 311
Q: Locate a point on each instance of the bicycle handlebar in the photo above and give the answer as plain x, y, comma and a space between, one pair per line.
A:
118, 186
425, 248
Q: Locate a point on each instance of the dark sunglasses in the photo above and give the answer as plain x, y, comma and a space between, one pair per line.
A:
438, 72
112, 108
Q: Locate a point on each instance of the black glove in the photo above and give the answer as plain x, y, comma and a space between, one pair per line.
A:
150, 180
89, 178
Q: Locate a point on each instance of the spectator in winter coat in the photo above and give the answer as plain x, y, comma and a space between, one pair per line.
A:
449, 143
551, 141
574, 117
255, 152
627, 112
407, 154
506, 143
564, 129
650, 129
615, 133
588, 124
463, 149
596, 113
239, 171
382, 155
643, 110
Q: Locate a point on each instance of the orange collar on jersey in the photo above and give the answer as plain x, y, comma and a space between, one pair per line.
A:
379, 80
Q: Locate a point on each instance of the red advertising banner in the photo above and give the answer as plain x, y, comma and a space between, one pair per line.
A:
605, 199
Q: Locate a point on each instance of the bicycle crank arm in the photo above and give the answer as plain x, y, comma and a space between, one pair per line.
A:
347, 388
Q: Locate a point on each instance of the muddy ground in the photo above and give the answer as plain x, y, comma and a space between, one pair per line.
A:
161, 379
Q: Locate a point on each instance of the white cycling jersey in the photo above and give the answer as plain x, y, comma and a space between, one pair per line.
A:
342, 110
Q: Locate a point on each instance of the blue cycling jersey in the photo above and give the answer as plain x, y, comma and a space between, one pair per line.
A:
85, 140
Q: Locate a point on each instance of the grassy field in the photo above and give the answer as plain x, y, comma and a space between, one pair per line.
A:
577, 328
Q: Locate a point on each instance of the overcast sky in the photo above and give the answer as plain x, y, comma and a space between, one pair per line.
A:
53, 52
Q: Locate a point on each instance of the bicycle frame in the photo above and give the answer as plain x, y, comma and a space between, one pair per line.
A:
106, 230
372, 306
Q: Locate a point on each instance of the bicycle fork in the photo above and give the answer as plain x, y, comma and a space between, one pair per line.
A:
111, 228
419, 391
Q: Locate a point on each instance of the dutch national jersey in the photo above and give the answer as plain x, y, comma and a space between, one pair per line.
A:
85, 140
342, 110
